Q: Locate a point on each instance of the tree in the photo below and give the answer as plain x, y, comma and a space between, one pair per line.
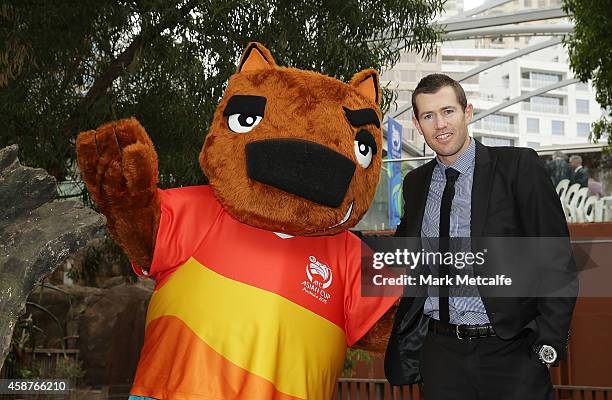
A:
68, 65
590, 53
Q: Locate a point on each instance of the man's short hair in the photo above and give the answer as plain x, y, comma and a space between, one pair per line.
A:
559, 155
576, 157
432, 83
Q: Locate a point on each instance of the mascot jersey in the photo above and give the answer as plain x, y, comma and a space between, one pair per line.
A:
241, 313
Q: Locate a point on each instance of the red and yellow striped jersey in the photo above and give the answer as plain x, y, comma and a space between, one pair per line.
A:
241, 313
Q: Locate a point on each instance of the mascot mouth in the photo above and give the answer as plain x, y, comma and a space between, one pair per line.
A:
346, 217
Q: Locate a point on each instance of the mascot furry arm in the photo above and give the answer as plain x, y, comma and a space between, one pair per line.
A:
293, 159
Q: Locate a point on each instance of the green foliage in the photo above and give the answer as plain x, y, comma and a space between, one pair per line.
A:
590, 52
22, 337
68, 368
352, 357
68, 66
99, 256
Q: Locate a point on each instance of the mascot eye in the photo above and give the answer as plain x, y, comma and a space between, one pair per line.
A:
363, 152
242, 123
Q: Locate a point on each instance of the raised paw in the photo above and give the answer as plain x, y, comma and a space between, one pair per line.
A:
118, 164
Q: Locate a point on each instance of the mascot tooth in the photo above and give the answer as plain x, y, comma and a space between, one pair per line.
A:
257, 277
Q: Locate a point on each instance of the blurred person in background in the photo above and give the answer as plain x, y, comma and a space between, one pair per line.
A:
579, 173
558, 168
595, 186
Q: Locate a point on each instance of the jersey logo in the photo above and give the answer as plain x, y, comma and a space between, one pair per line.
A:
319, 278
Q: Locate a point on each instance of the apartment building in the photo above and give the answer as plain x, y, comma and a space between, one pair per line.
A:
559, 117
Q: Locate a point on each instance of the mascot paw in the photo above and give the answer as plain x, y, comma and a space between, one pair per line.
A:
118, 163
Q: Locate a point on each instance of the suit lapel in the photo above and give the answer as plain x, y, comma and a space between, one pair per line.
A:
421, 190
484, 169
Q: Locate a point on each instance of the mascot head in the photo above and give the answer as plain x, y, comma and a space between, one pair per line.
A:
294, 151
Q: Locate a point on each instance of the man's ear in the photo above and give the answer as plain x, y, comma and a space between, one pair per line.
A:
469, 112
416, 124
255, 57
367, 83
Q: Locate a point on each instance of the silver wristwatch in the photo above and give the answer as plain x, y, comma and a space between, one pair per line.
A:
547, 354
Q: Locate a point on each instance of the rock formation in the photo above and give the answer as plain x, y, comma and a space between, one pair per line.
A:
37, 233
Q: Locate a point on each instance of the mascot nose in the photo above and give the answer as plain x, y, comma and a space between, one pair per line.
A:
306, 169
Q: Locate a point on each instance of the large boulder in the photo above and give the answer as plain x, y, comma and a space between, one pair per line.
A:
37, 233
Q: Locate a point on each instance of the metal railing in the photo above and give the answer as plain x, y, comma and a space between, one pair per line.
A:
547, 108
495, 126
380, 389
536, 84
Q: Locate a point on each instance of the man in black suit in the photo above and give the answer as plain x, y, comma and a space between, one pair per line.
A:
472, 347
580, 174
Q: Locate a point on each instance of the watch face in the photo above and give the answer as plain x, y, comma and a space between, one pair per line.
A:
548, 354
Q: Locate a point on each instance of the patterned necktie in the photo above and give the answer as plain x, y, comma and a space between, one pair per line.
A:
445, 211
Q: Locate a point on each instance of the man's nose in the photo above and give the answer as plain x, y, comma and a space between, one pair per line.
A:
440, 122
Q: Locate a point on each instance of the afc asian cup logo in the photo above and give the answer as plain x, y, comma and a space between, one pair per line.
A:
314, 268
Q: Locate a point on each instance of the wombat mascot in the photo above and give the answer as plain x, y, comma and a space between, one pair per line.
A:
257, 277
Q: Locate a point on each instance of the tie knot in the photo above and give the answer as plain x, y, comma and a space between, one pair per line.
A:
451, 174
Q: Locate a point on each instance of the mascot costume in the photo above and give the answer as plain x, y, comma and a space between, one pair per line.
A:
257, 277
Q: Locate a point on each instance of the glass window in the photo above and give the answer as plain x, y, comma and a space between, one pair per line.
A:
548, 100
582, 106
557, 127
533, 125
545, 77
499, 119
583, 129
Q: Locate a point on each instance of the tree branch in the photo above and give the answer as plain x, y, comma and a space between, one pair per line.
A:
119, 64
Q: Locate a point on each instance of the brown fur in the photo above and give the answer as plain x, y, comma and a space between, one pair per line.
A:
300, 105
377, 337
119, 164
119, 167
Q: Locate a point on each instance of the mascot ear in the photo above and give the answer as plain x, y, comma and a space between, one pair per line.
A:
367, 84
255, 57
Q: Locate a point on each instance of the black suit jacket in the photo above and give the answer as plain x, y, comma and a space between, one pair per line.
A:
512, 195
581, 176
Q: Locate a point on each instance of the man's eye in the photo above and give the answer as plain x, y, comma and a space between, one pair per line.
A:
448, 112
428, 116
242, 123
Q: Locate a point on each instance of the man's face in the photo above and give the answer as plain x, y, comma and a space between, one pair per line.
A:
443, 123
574, 163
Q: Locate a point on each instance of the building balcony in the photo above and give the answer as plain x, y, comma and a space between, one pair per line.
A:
483, 124
536, 84
546, 108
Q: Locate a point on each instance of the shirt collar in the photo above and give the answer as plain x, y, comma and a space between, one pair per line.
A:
465, 160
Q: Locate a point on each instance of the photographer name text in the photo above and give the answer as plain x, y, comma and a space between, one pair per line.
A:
432, 280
